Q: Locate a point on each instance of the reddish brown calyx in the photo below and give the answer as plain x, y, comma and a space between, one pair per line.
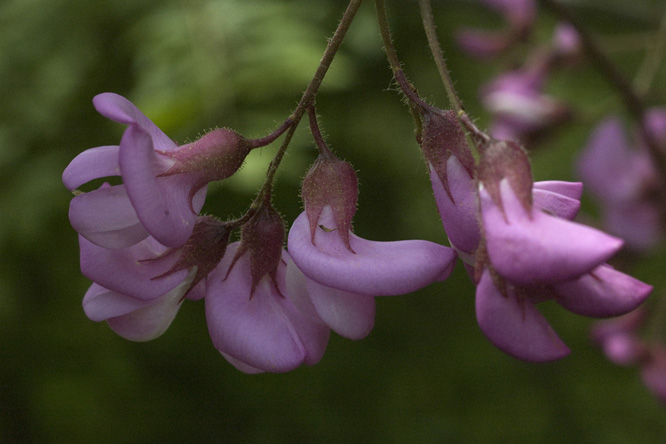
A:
263, 237
215, 156
204, 249
505, 159
443, 137
331, 181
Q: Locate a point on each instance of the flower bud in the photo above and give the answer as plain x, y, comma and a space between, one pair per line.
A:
263, 237
333, 182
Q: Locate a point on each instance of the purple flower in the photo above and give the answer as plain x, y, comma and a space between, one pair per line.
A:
624, 180
532, 252
163, 184
520, 16
336, 275
518, 105
257, 326
138, 290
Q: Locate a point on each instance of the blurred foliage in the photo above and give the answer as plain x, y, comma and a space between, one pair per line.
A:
425, 374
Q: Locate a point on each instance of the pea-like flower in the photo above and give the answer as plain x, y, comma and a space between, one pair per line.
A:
164, 185
532, 252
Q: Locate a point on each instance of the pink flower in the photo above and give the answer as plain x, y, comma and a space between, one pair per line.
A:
533, 252
139, 289
624, 180
257, 326
163, 184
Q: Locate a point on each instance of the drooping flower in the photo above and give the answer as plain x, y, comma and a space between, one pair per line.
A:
532, 252
519, 15
257, 326
138, 290
163, 184
518, 104
624, 180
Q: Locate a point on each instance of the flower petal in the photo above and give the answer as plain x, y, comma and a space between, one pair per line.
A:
121, 110
601, 293
349, 315
375, 269
459, 216
240, 365
162, 203
515, 326
91, 164
131, 271
264, 330
556, 198
152, 320
535, 248
106, 217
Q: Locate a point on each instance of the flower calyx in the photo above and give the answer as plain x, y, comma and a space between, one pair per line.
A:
203, 250
216, 155
263, 237
506, 159
331, 181
442, 137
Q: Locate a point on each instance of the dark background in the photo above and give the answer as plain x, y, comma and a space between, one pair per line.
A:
426, 373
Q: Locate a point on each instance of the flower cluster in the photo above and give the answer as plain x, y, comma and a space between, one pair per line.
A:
146, 248
518, 240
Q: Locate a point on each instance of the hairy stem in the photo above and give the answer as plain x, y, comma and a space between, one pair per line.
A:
438, 55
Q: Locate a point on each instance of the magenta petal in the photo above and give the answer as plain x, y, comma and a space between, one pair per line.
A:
162, 203
121, 110
375, 269
130, 271
549, 198
106, 217
535, 248
601, 293
515, 327
264, 330
91, 164
349, 315
459, 216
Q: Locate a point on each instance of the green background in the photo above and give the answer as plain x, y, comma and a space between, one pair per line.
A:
426, 373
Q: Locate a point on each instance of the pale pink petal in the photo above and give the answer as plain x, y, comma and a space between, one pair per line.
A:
106, 217
531, 247
375, 268
264, 330
132, 271
515, 326
162, 203
121, 110
459, 216
603, 292
349, 315
91, 164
